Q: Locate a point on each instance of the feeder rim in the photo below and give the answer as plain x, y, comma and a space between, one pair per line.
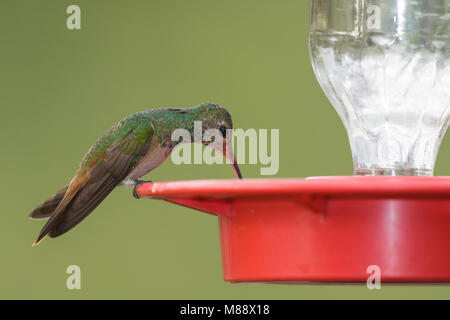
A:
379, 186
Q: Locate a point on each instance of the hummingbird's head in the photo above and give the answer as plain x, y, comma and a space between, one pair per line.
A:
216, 117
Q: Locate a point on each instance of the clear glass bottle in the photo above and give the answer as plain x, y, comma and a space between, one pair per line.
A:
385, 67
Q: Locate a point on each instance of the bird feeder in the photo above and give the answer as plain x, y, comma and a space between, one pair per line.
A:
385, 67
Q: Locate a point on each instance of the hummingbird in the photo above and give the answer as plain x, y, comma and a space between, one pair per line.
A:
130, 149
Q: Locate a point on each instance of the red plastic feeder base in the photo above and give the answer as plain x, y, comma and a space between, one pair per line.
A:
327, 229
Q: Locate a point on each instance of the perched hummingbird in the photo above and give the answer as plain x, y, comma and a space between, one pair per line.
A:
130, 149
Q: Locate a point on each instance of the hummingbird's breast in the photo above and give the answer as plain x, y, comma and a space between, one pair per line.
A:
155, 155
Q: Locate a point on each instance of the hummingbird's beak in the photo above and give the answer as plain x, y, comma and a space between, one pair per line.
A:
229, 155
236, 168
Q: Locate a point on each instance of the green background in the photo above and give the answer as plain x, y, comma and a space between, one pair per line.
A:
61, 89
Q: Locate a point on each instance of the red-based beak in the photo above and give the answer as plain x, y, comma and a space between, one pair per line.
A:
231, 158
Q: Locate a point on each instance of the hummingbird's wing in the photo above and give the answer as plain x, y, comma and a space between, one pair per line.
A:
80, 200
46, 208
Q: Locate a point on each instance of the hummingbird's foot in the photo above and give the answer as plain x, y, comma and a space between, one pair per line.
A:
138, 183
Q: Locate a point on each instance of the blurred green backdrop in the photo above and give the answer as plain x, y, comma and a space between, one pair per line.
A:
61, 89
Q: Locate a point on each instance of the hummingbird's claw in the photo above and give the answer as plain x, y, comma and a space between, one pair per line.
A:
138, 183
135, 195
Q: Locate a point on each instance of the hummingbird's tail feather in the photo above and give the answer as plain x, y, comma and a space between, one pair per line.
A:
87, 190
75, 185
81, 207
82, 204
46, 208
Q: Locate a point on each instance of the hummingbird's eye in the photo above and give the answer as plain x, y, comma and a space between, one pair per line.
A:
223, 131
